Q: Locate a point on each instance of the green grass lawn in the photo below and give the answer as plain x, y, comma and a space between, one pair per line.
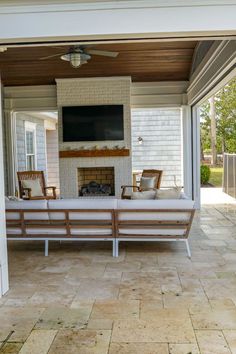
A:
216, 176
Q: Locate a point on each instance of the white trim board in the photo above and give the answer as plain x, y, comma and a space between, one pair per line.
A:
148, 20
4, 284
11, 6
158, 94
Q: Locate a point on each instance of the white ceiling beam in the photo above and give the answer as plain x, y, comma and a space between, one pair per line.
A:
109, 20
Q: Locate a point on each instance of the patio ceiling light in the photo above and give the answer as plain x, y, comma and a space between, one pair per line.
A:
76, 59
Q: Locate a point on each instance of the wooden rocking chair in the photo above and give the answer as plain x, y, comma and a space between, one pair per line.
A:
37, 176
136, 187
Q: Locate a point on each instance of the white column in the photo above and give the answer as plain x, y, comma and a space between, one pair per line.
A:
4, 285
196, 156
187, 150
10, 123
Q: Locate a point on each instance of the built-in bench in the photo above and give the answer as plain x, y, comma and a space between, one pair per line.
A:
100, 220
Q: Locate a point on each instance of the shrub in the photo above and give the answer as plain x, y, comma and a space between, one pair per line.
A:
205, 174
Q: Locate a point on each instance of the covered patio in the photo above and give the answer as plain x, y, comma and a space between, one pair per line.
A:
152, 299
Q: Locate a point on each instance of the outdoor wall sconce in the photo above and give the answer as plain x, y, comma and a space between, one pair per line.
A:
140, 140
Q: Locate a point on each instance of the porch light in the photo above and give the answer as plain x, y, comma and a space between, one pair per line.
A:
140, 140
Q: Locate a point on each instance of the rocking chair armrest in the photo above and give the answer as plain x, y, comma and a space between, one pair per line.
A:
122, 187
50, 187
123, 195
53, 191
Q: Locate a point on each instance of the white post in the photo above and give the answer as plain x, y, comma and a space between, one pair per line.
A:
4, 283
187, 150
10, 123
196, 157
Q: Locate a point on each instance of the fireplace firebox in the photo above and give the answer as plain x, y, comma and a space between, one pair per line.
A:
96, 181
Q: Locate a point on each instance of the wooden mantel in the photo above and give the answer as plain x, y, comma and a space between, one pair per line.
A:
94, 153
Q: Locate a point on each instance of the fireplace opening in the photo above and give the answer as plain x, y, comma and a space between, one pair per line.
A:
96, 181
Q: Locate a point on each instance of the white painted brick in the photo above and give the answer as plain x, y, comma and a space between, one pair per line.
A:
91, 92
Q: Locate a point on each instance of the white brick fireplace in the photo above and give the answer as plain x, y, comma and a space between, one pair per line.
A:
94, 91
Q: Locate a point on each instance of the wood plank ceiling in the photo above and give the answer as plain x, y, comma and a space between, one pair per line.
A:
156, 61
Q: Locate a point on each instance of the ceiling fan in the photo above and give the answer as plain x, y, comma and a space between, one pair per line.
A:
79, 55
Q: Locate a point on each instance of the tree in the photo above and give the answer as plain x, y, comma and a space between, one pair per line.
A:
205, 127
226, 117
212, 114
225, 120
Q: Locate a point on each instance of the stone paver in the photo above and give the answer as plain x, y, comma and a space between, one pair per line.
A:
150, 300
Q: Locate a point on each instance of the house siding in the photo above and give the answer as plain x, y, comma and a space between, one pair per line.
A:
161, 149
40, 142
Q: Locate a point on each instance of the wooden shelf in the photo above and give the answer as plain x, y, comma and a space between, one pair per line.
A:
94, 153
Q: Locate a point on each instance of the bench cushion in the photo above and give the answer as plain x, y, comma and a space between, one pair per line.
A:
152, 232
155, 204
58, 231
27, 204
82, 203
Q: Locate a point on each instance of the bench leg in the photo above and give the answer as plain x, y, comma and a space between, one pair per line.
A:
46, 248
117, 248
114, 248
188, 248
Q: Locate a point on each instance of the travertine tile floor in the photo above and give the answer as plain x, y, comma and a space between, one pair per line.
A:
151, 300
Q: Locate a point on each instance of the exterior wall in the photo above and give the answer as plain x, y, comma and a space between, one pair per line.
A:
52, 158
41, 163
17, 99
161, 149
91, 92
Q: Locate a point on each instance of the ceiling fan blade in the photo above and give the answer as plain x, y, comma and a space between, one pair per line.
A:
101, 52
51, 56
57, 47
3, 49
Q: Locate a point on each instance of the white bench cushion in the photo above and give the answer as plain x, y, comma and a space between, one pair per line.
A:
27, 204
152, 232
82, 204
155, 204
56, 231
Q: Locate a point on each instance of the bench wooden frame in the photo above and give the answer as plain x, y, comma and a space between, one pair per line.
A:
66, 224
114, 224
151, 225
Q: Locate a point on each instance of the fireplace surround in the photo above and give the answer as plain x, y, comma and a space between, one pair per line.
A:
94, 91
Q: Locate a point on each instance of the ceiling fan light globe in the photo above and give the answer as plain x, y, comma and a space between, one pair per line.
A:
75, 60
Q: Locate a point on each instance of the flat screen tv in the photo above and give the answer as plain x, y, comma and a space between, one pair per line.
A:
93, 123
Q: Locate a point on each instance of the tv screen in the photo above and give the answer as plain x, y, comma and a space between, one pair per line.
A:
93, 123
